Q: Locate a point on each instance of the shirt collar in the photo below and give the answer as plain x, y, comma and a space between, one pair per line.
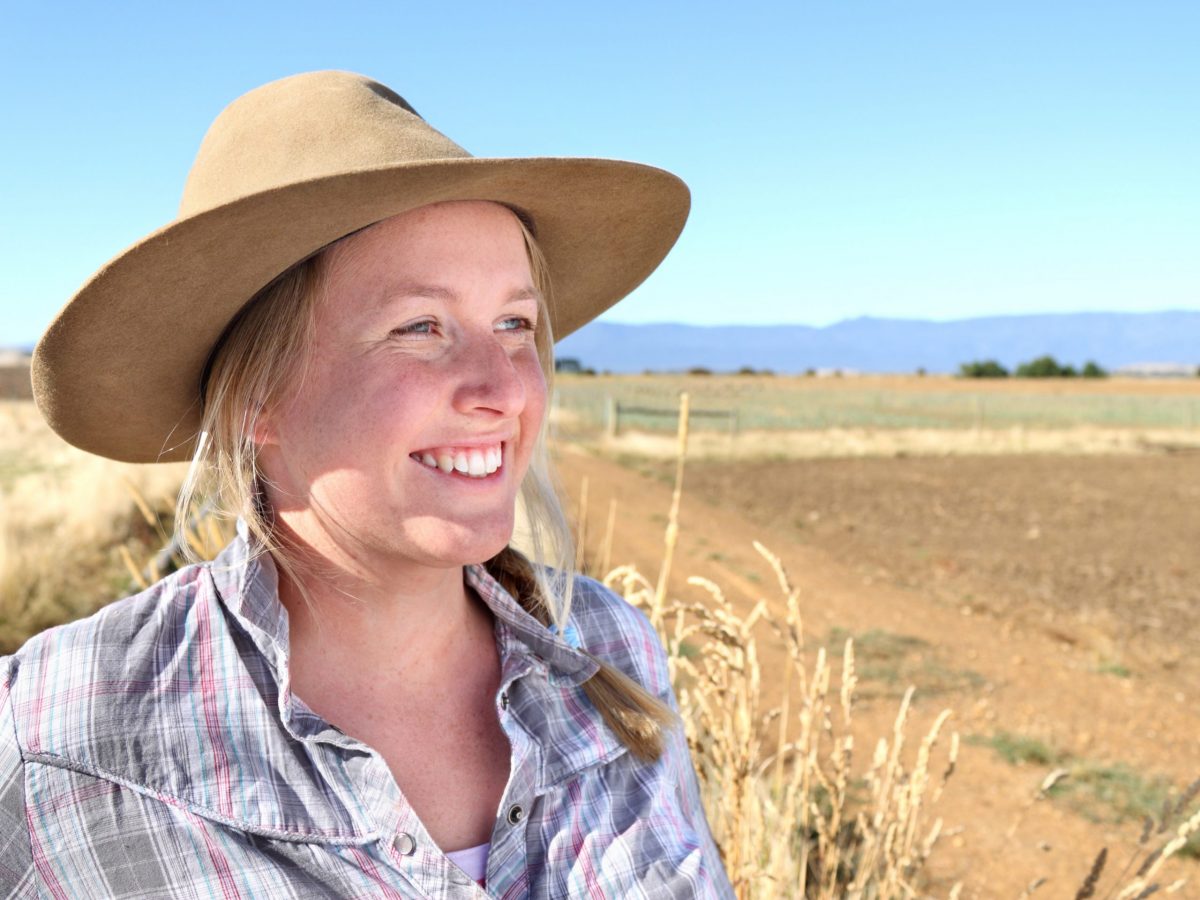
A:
566, 743
567, 665
248, 584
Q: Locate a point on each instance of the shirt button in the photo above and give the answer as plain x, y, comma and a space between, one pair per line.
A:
405, 844
516, 813
504, 699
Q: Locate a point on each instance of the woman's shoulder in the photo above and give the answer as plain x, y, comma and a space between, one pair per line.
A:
109, 647
613, 629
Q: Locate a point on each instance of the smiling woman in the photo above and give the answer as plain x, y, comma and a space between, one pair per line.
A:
370, 692
393, 374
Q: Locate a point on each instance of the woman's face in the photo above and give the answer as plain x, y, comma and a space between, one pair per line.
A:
423, 366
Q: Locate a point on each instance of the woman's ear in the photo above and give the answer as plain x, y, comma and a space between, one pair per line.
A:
262, 427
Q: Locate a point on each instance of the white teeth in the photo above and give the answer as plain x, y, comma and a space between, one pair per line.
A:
472, 462
476, 465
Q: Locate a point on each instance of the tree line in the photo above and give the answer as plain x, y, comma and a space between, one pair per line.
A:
1042, 367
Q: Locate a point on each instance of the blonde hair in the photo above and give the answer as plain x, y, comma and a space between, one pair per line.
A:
264, 352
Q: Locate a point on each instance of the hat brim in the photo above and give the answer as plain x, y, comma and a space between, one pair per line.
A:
118, 371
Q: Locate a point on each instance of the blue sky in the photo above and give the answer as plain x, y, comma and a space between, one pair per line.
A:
919, 160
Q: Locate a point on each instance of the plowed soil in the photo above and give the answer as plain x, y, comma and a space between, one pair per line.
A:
1048, 600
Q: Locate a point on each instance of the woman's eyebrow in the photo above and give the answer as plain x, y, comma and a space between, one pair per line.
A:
440, 292
523, 294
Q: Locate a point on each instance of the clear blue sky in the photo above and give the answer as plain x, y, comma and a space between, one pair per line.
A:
903, 159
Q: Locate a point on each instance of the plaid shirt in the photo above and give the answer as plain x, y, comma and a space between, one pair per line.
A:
155, 750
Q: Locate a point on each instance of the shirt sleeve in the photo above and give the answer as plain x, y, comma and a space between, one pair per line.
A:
17, 876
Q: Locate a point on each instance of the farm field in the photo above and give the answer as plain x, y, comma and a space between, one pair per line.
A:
1046, 598
1051, 668
1049, 600
754, 403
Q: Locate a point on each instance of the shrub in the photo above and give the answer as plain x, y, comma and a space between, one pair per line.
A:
987, 368
1044, 367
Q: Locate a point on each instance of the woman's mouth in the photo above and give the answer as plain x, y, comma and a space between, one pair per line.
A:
471, 462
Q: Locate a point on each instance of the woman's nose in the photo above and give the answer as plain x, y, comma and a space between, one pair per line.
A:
491, 379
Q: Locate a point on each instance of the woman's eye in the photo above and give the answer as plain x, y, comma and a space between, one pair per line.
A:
517, 323
425, 326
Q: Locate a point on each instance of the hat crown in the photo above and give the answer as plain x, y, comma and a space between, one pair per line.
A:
307, 127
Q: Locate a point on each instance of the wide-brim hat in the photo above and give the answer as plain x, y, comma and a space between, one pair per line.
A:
285, 170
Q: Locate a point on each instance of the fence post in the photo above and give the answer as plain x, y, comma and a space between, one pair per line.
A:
612, 413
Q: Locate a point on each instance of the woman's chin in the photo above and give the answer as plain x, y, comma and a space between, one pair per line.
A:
434, 541
455, 545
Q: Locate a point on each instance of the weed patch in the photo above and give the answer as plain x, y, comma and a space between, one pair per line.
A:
1104, 793
1018, 749
1109, 667
888, 663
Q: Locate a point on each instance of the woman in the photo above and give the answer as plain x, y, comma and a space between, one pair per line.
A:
369, 692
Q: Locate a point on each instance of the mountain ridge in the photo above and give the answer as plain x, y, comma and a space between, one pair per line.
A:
875, 344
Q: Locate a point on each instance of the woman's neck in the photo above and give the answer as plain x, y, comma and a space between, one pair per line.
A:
408, 627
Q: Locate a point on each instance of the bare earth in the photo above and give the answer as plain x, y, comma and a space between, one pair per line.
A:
1050, 597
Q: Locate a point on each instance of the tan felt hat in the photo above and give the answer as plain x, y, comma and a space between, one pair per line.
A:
284, 170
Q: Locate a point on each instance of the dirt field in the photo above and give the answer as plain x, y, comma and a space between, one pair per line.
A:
1051, 602
1100, 552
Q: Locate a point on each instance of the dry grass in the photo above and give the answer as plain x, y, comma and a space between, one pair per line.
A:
65, 517
1161, 838
778, 783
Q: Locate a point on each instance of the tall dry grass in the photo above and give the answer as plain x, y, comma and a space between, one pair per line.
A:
66, 518
778, 783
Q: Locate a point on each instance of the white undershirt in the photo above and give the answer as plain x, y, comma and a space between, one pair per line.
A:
473, 860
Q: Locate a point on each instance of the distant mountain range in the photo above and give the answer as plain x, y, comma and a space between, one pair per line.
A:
1114, 340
